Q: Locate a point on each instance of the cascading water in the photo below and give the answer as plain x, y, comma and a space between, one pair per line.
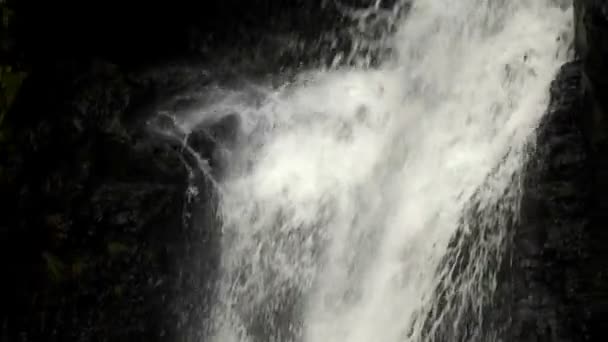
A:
341, 202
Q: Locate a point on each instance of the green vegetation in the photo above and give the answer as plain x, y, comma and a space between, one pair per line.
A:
55, 267
10, 82
11, 77
78, 267
117, 248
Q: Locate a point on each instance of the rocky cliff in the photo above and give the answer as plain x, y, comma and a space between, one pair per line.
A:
558, 276
592, 47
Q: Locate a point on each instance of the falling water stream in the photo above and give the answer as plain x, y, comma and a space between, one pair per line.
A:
347, 185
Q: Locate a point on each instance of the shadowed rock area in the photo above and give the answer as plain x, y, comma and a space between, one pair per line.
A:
592, 47
548, 251
101, 237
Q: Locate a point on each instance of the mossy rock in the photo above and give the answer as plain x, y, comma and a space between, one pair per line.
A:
10, 82
55, 267
116, 248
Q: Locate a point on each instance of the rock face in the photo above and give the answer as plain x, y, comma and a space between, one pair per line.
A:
592, 45
108, 231
559, 273
548, 248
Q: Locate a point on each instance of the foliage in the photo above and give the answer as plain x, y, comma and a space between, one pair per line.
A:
11, 77
10, 82
55, 267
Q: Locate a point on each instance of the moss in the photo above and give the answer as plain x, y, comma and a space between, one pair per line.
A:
78, 268
116, 248
10, 82
118, 291
7, 16
10, 77
6, 133
54, 266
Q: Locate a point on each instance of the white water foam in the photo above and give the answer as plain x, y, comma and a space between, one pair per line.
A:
348, 184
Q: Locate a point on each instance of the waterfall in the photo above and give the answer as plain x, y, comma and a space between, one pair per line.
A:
372, 204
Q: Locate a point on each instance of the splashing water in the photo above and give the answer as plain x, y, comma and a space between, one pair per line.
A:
348, 185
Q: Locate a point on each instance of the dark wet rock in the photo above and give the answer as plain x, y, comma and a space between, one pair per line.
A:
108, 232
548, 249
591, 19
226, 129
592, 47
223, 132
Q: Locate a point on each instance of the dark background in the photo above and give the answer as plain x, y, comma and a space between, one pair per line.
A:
136, 32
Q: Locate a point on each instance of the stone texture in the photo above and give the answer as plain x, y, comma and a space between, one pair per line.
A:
592, 47
108, 233
548, 250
